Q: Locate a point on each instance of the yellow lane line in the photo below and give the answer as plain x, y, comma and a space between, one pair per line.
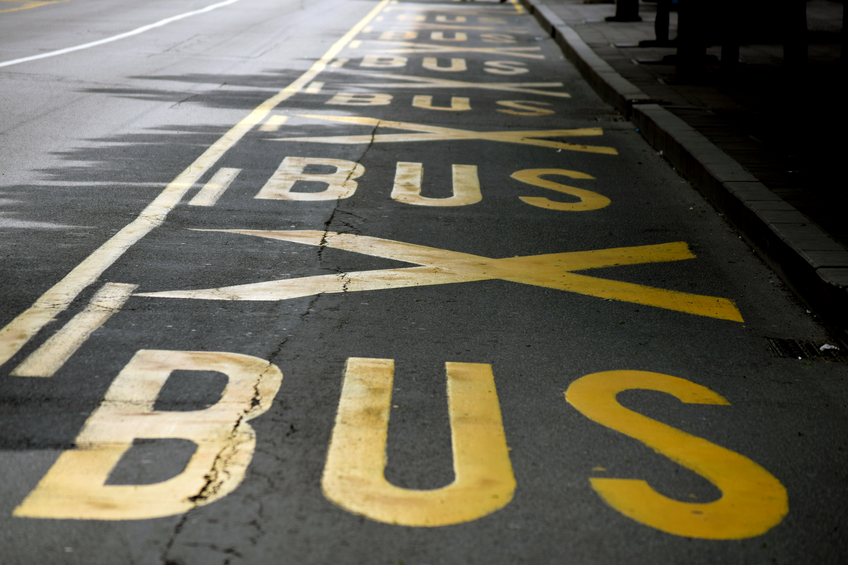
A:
50, 357
217, 185
29, 5
58, 298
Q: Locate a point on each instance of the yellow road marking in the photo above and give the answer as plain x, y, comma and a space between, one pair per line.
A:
752, 502
434, 82
49, 358
439, 133
215, 188
458, 103
456, 65
28, 5
75, 486
273, 123
340, 184
457, 27
588, 200
57, 299
440, 266
354, 474
429, 48
408, 180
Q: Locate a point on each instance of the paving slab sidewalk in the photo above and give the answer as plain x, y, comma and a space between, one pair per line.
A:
762, 143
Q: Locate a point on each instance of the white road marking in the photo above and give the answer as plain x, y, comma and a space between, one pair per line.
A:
118, 37
28, 323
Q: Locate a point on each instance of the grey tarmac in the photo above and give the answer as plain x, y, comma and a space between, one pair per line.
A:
379, 282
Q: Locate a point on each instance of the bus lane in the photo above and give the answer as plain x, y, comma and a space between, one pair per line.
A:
445, 307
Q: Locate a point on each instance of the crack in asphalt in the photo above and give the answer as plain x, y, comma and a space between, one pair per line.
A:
322, 244
219, 472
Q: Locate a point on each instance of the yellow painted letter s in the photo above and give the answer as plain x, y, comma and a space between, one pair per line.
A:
752, 502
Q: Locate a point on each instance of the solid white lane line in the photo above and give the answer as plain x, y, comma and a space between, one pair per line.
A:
118, 37
57, 299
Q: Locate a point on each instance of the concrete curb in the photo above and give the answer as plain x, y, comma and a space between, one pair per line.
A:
610, 86
808, 260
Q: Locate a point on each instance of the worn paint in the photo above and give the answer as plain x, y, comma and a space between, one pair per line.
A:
340, 184
408, 180
49, 358
457, 103
430, 83
74, 487
59, 297
354, 473
440, 266
439, 133
215, 188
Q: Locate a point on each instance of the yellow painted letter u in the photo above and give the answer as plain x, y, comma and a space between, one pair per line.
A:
354, 474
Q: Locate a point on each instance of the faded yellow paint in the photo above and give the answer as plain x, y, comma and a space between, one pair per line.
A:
588, 200
439, 266
314, 87
340, 184
59, 297
456, 65
439, 133
354, 473
408, 181
507, 68
752, 502
525, 108
458, 103
430, 49
273, 123
398, 35
360, 99
460, 27
28, 5
455, 20
74, 488
429, 83
49, 358
440, 36
502, 38
218, 184
381, 62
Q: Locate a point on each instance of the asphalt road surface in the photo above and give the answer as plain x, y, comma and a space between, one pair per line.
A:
379, 282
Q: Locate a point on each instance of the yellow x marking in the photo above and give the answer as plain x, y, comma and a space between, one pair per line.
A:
438, 133
491, 10
451, 27
412, 47
440, 266
430, 83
